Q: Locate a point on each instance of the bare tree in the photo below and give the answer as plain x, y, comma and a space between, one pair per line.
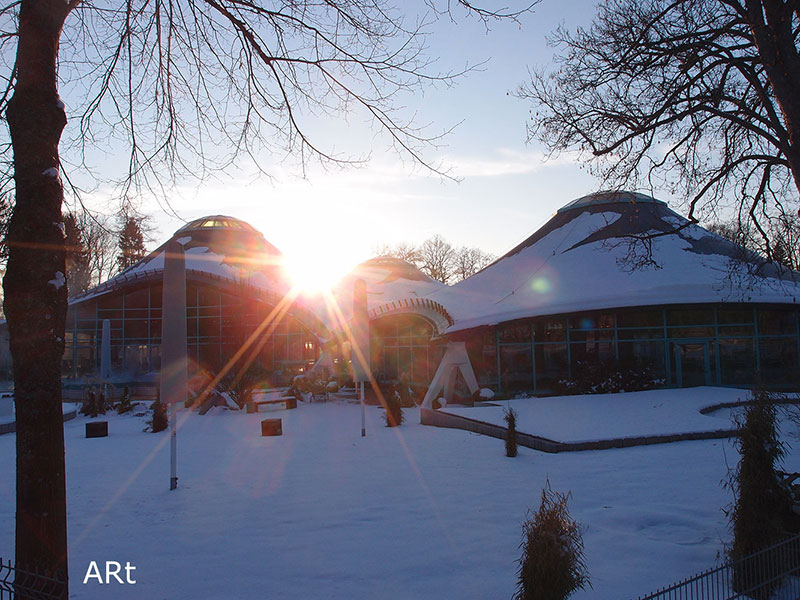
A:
699, 96
403, 250
188, 86
436, 258
99, 238
6, 208
783, 234
439, 259
468, 261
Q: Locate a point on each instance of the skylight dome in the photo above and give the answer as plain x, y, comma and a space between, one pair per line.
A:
217, 222
609, 197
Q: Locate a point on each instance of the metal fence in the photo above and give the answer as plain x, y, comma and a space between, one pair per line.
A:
16, 584
771, 574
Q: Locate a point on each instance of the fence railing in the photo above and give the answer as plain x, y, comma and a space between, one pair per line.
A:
16, 584
770, 574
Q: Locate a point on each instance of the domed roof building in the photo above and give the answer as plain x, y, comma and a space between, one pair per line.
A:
618, 279
402, 319
235, 285
614, 282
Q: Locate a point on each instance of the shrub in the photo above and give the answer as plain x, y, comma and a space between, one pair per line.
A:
125, 405
101, 403
597, 377
300, 383
552, 566
240, 384
159, 420
510, 417
89, 406
394, 407
762, 506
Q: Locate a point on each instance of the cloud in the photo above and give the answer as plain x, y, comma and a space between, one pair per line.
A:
505, 161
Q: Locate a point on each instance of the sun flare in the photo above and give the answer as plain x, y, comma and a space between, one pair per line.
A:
313, 273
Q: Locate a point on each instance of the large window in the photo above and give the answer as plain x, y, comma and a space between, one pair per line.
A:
400, 348
516, 367
725, 344
217, 324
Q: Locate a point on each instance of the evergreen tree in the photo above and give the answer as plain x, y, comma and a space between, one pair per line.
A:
125, 404
510, 417
159, 421
761, 503
393, 406
131, 239
76, 256
552, 566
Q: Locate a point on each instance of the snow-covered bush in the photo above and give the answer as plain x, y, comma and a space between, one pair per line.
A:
596, 377
332, 387
93, 404
485, 394
240, 382
125, 405
158, 420
393, 405
300, 382
510, 417
552, 566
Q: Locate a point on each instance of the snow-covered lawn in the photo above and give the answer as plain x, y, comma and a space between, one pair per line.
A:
599, 417
405, 513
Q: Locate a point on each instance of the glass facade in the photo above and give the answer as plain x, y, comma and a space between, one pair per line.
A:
724, 344
400, 349
218, 321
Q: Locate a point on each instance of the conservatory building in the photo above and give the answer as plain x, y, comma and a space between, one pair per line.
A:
617, 282
235, 285
614, 282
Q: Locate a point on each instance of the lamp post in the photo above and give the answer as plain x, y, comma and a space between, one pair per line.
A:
174, 377
360, 346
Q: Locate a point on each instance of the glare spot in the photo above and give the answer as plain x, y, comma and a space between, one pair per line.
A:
541, 285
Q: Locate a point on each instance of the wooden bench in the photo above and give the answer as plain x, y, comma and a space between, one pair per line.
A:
255, 405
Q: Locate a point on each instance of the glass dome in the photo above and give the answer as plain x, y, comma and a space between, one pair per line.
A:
609, 197
217, 222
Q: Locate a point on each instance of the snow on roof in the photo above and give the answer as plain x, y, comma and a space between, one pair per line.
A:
219, 246
388, 280
614, 250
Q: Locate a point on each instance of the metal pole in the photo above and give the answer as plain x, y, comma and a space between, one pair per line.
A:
173, 446
363, 413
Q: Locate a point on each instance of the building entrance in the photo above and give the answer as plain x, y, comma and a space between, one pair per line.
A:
691, 363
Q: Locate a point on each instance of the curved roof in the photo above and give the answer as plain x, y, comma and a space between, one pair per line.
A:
386, 269
221, 247
613, 250
393, 285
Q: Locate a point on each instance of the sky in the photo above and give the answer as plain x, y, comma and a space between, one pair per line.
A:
504, 189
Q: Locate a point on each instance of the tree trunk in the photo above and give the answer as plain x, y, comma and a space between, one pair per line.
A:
771, 22
36, 294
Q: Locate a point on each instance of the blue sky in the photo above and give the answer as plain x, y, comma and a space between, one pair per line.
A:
505, 189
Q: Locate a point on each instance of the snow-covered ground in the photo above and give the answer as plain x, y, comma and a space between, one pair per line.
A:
405, 513
595, 417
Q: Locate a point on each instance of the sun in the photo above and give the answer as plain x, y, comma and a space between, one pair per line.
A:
312, 273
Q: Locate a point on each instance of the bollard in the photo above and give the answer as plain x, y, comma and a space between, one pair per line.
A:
270, 427
97, 429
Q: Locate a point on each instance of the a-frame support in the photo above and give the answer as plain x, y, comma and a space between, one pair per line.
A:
455, 359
